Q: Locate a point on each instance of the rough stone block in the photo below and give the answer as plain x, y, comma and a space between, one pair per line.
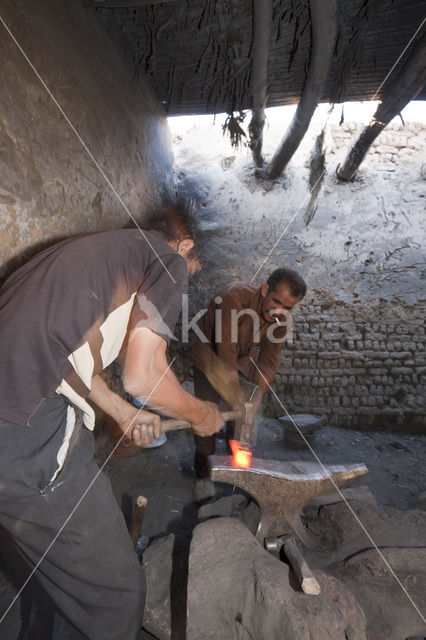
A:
158, 566
302, 354
314, 320
363, 570
328, 355
357, 371
349, 328
401, 355
400, 370
238, 590
375, 353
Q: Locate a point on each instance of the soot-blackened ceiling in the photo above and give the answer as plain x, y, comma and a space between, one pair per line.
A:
198, 53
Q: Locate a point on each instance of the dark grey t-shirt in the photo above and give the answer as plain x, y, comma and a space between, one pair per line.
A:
65, 313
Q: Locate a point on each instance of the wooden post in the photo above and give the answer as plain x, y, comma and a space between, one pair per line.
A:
323, 28
407, 84
316, 177
262, 16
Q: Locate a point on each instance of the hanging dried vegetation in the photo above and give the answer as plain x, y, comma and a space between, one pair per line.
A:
233, 127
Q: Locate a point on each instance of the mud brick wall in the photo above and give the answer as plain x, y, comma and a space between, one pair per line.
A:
397, 143
358, 357
355, 367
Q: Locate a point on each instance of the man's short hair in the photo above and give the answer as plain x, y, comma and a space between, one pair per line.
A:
175, 222
295, 281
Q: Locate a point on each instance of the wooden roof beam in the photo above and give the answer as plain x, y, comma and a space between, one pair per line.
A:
323, 29
406, 86
262, 18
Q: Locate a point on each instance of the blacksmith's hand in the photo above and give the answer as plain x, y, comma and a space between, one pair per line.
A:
142, 427
211, 420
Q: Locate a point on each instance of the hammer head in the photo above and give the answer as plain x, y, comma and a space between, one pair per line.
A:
244, 428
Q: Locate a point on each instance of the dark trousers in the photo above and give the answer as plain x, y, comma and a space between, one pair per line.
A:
90, 570
206, 446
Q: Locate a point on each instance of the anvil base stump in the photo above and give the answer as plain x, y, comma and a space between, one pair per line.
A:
237, 590
282, 489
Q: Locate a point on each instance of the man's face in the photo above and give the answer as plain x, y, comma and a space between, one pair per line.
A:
276, 303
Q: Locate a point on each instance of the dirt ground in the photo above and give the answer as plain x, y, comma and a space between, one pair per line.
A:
396, 463
396, 477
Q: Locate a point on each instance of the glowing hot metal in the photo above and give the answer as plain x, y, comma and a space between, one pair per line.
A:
241, 454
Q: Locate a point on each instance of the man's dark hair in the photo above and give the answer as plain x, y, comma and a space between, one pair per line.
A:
295, 282
175, 221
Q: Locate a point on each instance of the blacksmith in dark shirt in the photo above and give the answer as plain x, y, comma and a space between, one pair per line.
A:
64, 316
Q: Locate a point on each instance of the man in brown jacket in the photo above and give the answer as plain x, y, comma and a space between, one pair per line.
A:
245, 327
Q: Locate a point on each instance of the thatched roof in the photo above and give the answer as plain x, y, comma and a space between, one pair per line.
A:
198, 52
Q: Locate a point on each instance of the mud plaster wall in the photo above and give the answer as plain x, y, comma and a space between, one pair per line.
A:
364, 364
49, 187
358, 357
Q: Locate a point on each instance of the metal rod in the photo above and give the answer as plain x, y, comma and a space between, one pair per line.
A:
138, 513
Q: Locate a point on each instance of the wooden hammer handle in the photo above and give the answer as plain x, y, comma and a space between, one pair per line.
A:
174, 425
307, 580
138, 512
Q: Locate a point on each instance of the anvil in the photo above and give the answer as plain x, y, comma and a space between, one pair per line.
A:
282, 489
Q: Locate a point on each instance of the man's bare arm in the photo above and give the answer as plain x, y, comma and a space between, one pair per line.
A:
146, 373
141, 426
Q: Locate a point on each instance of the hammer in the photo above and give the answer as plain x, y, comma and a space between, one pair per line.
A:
241, 445
126, 447
174, 425
138, 513
234, 393
307, 581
